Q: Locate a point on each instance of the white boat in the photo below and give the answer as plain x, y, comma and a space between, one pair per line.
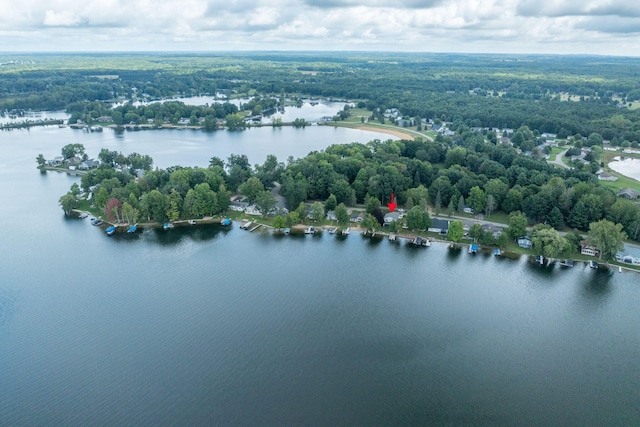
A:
345, 231
310, 230
83, 215
192, 222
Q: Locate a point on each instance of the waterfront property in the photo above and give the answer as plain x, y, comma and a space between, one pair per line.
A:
525, 242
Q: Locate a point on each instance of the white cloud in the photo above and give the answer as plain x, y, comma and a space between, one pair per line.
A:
61, 19
536, 26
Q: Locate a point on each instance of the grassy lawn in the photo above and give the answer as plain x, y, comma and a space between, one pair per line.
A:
555, 151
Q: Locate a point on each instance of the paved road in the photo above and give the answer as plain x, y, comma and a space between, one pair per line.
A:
558, 161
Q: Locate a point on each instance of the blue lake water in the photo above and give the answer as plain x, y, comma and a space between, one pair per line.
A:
213, 326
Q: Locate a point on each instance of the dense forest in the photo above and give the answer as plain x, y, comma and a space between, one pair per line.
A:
565, 95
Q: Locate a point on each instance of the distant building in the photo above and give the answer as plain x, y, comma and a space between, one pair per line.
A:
629, 193
604, 176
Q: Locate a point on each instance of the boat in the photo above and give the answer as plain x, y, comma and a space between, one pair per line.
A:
287, 230
392, 237
333, 230
345, 231
246, 225
427, 243
192, 222
111, 230
132, 229
168, 225
83, 215
96, 221
566, 263
310, 230
540, 259
417, 241
473, 248
225, 221
593, 264
497, 252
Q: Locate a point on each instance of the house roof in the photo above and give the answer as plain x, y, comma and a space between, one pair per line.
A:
442, 224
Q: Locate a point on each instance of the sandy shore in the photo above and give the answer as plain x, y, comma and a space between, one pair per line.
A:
393, 132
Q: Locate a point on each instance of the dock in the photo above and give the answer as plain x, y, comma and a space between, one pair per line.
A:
255, 227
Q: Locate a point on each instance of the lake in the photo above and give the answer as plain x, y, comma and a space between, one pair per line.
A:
627, 167
213, 326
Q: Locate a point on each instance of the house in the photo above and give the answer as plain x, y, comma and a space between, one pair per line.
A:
356, 216
629, 255
497, 231
629, 193
57, 161
253, 210
439, 226
238, 206
587, 249
391, 217
89, 164
331, 216
525, 242
604, 176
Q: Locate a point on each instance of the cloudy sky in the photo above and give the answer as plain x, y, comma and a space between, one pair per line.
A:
609, 27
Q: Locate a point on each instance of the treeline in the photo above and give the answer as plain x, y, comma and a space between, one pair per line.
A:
473, 174
478, 90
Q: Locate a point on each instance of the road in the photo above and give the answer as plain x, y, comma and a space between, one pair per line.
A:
558, 160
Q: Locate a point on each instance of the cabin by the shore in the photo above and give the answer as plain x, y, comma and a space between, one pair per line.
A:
587, 249
440, 226
391, 217
525, 242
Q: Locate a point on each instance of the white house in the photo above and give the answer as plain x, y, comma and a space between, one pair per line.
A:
525, 242
391, 217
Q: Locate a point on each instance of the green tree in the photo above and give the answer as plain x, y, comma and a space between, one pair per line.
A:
266, 201
456, 231
438, 203
372, 204
75, 189
129, 213
370, 223
415, 218
41, 160
235, 122
342, 214
68, 202
71, 150
490, 205
475, 232
547, 241
460, 208
517, 225
607, 237
251, 188
476, 199
279, 222
555, 218
317, 211
331, 203
293, 218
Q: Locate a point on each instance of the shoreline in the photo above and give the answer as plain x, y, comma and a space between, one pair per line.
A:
299, 228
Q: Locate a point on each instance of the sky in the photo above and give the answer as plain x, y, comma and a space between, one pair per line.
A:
605, 27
